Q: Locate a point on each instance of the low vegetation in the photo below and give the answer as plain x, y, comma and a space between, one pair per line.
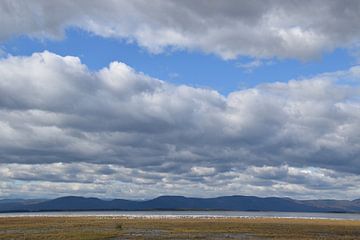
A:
71, 228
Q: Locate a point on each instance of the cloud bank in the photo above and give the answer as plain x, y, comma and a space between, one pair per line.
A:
70, 130
261, 29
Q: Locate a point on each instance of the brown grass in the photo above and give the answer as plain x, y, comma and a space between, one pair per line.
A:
184, 228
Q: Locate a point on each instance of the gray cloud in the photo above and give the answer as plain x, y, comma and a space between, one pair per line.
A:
65, 127
52, 180
261, 29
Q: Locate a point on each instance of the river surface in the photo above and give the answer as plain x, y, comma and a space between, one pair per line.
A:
190, 214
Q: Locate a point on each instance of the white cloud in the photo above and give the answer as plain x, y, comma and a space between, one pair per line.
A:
107, 181
61, 123
202, 171
261, 29
249, 67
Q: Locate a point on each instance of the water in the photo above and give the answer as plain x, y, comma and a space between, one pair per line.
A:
190, 214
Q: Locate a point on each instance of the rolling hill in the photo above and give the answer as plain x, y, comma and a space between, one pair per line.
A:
227, 203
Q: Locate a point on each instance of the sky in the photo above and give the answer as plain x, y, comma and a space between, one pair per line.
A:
137, 99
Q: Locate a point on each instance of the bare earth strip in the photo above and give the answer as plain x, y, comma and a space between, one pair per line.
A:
175, 228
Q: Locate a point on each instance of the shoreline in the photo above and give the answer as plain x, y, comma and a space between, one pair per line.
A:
188, 215
172, 217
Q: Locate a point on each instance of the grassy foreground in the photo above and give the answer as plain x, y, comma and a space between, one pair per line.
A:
185, 228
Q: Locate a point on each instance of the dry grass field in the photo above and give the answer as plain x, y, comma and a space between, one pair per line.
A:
184, 228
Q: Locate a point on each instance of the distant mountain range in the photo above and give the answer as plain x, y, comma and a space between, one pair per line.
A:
227, 203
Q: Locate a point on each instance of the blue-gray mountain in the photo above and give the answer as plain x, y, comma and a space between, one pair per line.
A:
231, 203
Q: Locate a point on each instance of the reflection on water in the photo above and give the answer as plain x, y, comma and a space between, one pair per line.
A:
192, 214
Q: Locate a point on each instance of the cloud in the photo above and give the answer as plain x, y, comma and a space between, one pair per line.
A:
260, 29
61, 123
202, 171
56, 179
249, 67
